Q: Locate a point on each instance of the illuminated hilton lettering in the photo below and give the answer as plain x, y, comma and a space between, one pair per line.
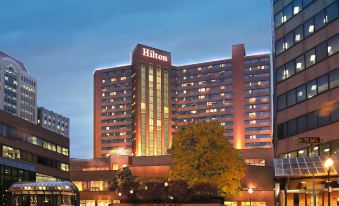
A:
153, 54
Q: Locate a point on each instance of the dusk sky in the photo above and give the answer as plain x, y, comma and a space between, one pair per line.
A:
62, 42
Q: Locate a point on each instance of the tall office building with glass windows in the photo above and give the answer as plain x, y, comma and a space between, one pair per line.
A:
18, 89
306, 71
138, 107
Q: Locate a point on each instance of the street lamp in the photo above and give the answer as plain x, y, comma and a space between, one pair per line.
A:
250, 191
328, 164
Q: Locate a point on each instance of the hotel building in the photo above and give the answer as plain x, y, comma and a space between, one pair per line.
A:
138, 107
306, 79
18, 89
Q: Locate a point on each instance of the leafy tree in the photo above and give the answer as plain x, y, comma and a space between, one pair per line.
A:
202, 154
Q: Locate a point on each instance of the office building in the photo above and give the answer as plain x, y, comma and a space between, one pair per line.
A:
53, 121
138, 107
18, 89
29, 152
306, 112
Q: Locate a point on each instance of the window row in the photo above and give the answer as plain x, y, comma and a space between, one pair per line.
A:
309, 27
114, 79
210, 81
257, 136
109, 114
257, 144
202, 104
257, 60
115, 134
308, 59
205, 118
260, 75
204, 75
257, 99
119, 99
200, 111
206, 96
118, 106
256, 68
257, 114
106, 121
114, 141
258, 83
289, 11
325, 149
117, 72
257, 121
309, 90
257, 91
202, 90
257, 129
195, 69
257, 106
12, 133
116, 127
308, 121
13, 153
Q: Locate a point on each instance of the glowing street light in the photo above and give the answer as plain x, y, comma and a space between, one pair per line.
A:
250, 191
166, 184
328, 164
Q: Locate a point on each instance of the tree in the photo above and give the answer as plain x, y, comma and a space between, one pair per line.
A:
202, 154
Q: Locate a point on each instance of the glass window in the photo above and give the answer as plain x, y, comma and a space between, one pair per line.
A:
309, 27
291, 97
282, 130
324, 118
302, 124
300, 63
333, 45
287, 12
289, 70
321, 52
310, 58
312, 120
311, 89
279, 46
332, 12
324, 149
319, 20
281, 102
302, 153
278, 19
301, 93
289, 40
307, 2
280, 73
335, 146
298, 34
334, 79
322, 83
292, 127
297, 5
335, 114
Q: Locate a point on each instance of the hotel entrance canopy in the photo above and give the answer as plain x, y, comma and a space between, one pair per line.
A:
301, 167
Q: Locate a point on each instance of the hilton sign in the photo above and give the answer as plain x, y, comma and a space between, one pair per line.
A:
152, 54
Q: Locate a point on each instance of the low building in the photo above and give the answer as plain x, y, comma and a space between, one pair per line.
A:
53, 121
29, 152
94, 177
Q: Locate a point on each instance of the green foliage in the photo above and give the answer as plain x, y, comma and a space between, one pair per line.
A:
203, 155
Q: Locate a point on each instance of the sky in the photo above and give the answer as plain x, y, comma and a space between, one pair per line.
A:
62, 42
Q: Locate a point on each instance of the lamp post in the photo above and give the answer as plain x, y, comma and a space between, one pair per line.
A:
250, 191
328, 164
